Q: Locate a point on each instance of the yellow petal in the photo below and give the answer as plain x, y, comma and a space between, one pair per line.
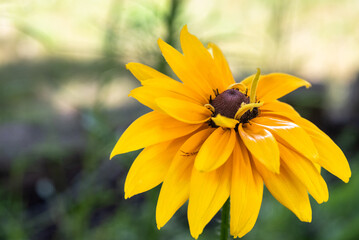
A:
209, 191
151, 128
184, 111
306, 172
275, 85
330, 156
200, 61
277, 107
216, 150
176, 186
246, 193
261, 143
150, 167
288, 190
143, 72
175, 191
222, 64
318, 167
175, 87
288, 133
180, 67
147, 96
225, 122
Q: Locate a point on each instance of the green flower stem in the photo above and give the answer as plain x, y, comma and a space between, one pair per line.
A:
225, 221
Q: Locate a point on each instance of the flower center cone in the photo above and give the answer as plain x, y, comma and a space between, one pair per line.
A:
228, 102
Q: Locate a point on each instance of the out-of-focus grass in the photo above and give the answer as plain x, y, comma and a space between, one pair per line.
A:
63, 88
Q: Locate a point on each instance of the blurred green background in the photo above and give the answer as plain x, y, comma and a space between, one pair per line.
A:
64, 104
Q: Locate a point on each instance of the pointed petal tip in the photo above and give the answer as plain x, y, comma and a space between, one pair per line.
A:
346, 180
274, 168
184, 30
306, 218
240, 233
161, 221
345, 173
348, 175
128, 65
324, 196
237, 235
129, 193
326, 199
112, 155
163, 45
160, 42
159, 224
195, 235
307, 84
116, 152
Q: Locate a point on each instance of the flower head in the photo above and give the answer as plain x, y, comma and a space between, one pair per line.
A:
209, 138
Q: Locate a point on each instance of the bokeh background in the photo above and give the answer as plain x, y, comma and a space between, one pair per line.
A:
64, 104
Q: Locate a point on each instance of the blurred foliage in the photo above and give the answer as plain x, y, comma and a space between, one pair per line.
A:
63, 101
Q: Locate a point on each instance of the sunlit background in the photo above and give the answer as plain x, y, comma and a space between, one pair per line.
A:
64, 104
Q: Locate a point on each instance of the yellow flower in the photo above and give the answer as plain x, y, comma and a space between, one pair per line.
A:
209, 139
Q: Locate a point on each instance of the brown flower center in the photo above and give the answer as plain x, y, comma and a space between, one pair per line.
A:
228, 102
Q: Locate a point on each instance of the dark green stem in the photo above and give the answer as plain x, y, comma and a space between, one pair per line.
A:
225, 221
170, 28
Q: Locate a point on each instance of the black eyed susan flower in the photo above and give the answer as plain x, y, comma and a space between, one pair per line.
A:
209, 139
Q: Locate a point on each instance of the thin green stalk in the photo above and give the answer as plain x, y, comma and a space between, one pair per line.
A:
225, 221
170, 18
